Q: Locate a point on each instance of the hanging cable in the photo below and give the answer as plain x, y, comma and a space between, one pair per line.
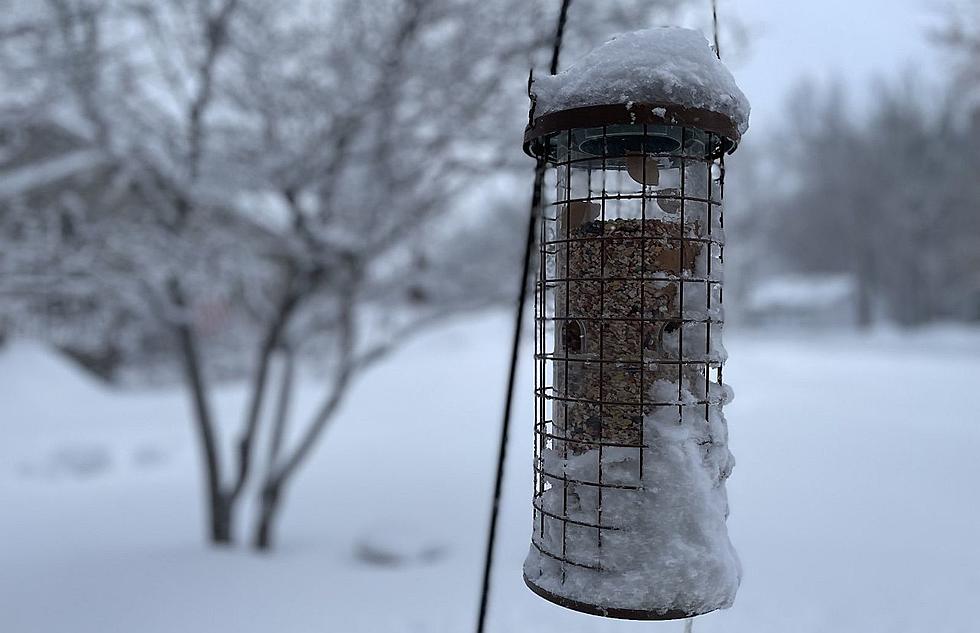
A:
536, 195
714, 21
559, 36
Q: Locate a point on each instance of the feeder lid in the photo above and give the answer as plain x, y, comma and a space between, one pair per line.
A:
665, 76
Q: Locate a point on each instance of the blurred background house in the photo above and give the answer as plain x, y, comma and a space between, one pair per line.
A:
803, 301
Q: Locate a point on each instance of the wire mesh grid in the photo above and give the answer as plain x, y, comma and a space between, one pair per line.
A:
627, 320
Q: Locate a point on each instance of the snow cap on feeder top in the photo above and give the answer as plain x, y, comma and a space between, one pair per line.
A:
658, 67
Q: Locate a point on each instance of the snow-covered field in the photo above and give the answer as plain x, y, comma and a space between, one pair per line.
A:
855, 502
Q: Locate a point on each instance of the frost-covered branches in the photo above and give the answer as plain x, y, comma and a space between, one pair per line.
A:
258, 183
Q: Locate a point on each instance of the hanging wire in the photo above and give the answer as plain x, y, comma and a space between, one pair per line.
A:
559, 36
714, 20
536, 195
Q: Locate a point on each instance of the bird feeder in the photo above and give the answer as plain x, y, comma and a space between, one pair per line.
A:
631, 454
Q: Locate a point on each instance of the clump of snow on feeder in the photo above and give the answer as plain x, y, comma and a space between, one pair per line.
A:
665, 65
673, 552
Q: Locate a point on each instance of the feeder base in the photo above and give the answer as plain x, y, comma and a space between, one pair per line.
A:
611, 612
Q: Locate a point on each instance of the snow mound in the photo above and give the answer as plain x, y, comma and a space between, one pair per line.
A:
665, 65
394, 543
669, 548
70, 461
28, 365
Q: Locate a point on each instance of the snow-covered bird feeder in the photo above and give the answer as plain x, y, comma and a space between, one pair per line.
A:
631, 450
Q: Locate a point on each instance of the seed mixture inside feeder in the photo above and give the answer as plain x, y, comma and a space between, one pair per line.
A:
617, 316
639, 457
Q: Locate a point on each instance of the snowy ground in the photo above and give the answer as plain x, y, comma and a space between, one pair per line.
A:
855, 502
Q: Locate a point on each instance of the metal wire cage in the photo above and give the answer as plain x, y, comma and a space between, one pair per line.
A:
628, 320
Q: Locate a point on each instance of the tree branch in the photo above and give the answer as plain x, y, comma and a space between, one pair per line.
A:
345, 371
216, 38
270, 343
220, 530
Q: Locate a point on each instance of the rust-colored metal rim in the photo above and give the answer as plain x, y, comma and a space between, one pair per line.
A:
635, 114
609, 612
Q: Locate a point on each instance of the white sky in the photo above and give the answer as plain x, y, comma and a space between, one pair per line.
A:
855, 39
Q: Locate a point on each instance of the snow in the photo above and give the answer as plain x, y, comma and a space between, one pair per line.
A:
854, 504
670, 549
659, 66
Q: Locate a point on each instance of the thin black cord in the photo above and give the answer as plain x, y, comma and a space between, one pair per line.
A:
559, 36
536, 195
714, 18
721, 160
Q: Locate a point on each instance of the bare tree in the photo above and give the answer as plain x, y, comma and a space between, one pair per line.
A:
959, 34
296, 175
886, 196
322, 173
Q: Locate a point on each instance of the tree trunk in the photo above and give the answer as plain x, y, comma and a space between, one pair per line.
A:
220, 520
218, 503
272, 488
864, 316
865, 286
269, 344
269, 506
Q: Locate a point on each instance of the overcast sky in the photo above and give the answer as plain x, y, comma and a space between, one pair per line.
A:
855, 39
